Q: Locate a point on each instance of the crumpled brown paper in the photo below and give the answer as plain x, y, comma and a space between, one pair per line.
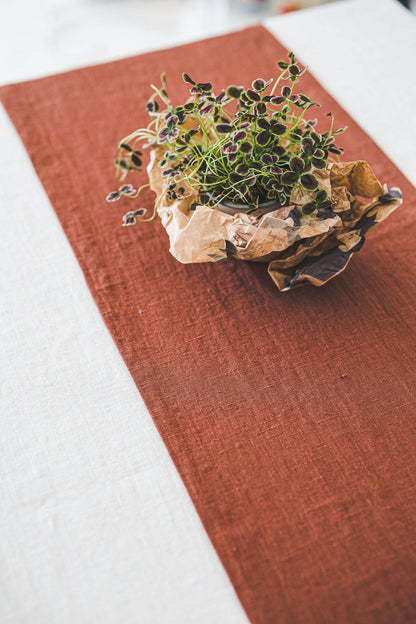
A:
299, 248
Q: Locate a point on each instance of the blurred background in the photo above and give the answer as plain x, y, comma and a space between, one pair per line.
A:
39, 37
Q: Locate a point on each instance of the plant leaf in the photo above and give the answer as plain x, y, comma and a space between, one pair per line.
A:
224, 128
263, 138
234, 92
308, 208
259, 84
321, 196
309, 181
188, 79
289, 178
297, 164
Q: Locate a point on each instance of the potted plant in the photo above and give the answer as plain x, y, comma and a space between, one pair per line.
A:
253, 155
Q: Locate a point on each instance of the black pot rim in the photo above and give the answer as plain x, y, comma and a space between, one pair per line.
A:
267, 206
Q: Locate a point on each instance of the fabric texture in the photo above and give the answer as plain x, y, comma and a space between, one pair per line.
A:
290, 417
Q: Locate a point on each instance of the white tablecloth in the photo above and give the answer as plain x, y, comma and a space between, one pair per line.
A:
95, 523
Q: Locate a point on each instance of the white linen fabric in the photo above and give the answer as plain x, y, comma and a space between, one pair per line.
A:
95, 523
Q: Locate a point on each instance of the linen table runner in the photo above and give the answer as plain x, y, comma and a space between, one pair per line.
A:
290, 417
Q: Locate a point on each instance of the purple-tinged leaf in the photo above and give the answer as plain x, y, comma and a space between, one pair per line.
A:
261, 108
129, 221
188, 79
246, 147
259, 84
152, 106
308, 208
136, 160
163, 134
279, 150
267, 159
319, 163
230, 149
263, 138
289, 178
253, 95
123, 163
335, 150
127, 189
242, 169
234, 92
297, 164
239, 136
339, 130
235, 177
309, 181
263, 123
206, 87
224, 128
220, 97
321, 196
277, 100
278, 129
112, 197
206, 109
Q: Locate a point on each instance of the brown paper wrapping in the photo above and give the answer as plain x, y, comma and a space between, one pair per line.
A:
299, 248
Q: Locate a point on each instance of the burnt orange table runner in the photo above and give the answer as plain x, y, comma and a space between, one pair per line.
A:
290, 417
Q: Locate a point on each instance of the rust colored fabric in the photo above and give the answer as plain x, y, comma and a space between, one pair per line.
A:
290, 417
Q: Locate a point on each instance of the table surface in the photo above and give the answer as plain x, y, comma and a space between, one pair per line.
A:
96, 523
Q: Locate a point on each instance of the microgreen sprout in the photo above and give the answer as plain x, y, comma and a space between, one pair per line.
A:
244, 145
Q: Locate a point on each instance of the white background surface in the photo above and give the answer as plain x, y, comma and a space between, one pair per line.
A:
95, 523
